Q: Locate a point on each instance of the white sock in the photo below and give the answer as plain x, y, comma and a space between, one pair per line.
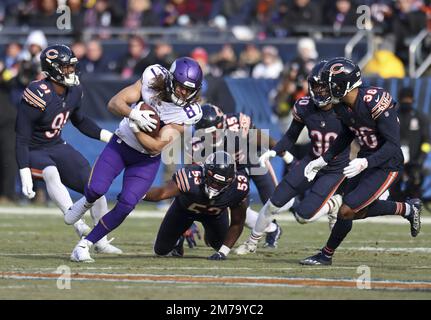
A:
287, 206
408, 210
99, 209
56, 189
264, 219
251, 219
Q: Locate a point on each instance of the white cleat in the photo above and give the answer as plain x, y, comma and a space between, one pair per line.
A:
337, 201
246, 248
104, 246
81, 228
77, 210
81, 253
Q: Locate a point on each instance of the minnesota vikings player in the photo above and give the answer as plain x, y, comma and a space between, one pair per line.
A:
172, 94
45, 108
368, 114
203, 193
319, 198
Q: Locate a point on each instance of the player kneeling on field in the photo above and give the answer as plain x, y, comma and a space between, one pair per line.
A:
203, 193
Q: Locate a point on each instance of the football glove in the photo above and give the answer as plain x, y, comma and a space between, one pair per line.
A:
355, 167
313, 167
105, 135
143, 119
189, 235
266, 156
217, 256
27, 183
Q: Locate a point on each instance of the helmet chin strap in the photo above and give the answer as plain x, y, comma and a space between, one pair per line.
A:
211, 193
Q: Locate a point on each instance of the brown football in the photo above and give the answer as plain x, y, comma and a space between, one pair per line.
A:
144, 106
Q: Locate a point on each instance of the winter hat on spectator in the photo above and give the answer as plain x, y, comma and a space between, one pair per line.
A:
307, 44
38, 38
199, 53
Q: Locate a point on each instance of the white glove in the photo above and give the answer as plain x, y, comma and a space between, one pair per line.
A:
266, 156
313, 167
355, 167
288, 157
27, 183
143, 119
105, 135
133, 126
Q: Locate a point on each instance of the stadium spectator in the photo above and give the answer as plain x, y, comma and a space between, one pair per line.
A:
302, 13
104, 13
45, 14
249, 58
343, 14
407, 22
271, 65
385, 63
77, 16
95, 61
162, 53
224, 61
306, 59
140, 14
415, 144
137, 51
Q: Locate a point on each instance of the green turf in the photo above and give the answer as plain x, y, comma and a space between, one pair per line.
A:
42, 243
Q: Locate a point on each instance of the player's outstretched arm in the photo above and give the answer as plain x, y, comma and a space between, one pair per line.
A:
120, 103
169, 190
237, 220
88, 127
155, 145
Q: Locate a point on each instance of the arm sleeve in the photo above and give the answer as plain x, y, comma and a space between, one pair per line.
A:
85, 124
344, 139
289, 138
24, 126
389, 128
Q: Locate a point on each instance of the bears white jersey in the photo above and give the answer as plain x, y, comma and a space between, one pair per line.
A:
168, 112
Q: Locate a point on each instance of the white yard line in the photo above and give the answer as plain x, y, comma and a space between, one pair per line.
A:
286, 216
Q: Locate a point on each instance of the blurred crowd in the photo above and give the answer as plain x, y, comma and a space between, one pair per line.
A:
397, 20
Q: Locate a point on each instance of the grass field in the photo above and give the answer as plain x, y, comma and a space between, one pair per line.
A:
33, 246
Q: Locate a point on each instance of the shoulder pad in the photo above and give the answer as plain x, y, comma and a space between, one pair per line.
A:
37, 94
378, 101
300, 108
151, 72
188, 177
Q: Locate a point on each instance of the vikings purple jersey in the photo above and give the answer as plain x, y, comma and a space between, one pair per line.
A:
373, 121
42, 114
237, 126
194, 199
323, 128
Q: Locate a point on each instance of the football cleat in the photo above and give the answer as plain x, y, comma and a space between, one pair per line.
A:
81, 253
81, 228
317, 259
104, 246
76, 211
337, 201
246, 248
271, 239
415, 216
178, 250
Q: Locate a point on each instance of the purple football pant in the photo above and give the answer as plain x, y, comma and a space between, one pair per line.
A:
139, 173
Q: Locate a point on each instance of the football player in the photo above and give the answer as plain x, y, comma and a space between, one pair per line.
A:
172, 94
45, 108
319, 195
368, 114
204, 194
223, 127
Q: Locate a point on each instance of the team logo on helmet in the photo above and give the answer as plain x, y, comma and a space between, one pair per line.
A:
52, 54
336, 68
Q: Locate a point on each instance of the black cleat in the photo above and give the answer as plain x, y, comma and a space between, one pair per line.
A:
271, 239
415, 216
317, 259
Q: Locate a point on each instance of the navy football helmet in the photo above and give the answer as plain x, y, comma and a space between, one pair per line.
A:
212, 118
219, 173
58, 63
317, 89
342, 76
186, 73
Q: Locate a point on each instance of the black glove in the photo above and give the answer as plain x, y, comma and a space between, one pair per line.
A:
217, 256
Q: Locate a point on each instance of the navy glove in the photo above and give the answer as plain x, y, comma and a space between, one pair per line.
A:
217, 256
189, 235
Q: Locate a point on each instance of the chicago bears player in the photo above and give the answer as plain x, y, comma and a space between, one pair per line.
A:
172, 94
225, 127
368, 114
204, 193
45, 108
319, 198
